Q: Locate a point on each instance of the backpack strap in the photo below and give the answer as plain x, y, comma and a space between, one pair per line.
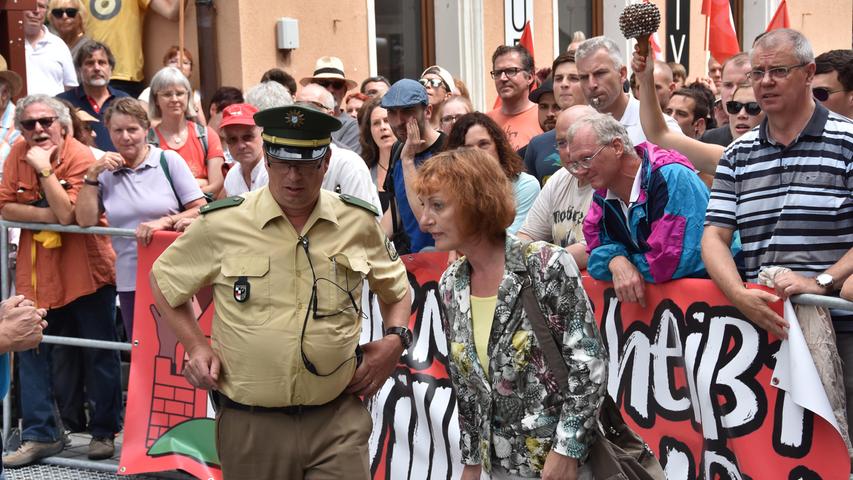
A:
165, 166
201, 133
153, 138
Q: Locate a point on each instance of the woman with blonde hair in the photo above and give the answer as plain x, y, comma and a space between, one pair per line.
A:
66, 18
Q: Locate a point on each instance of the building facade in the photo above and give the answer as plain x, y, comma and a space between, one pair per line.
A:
398, 38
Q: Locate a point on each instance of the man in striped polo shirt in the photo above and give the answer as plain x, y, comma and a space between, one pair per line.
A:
787, 187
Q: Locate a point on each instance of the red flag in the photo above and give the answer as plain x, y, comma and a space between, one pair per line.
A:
722, 37
525, 41
780, 18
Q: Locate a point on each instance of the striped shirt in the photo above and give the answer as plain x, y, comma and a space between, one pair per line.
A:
792, 205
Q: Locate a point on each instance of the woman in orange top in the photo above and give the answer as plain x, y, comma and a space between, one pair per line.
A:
170, 94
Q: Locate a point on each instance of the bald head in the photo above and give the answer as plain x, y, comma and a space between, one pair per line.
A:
566, 119
317, 95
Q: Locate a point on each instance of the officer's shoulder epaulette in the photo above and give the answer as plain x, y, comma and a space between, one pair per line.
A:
357, 202
220, 204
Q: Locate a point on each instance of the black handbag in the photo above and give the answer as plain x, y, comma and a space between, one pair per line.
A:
618, 452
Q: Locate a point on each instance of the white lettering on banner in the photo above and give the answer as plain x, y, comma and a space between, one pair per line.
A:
720, 360
678, 50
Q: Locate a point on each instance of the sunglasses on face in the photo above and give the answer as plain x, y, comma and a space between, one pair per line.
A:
68, 12
432, 82
337, 85
752, 108
822, 94
45, 123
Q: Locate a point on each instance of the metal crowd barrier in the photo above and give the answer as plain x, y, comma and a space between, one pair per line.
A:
6, 286
804, 299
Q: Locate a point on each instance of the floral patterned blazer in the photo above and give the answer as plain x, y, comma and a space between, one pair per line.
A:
517, 414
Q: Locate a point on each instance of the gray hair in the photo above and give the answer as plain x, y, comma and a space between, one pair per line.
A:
592, 45
267, 95
801, 48
165, 78
605, 128
61, 111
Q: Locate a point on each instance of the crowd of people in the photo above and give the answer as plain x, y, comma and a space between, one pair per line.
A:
636, 179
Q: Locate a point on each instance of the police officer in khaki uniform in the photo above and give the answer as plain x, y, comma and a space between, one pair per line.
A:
287, 265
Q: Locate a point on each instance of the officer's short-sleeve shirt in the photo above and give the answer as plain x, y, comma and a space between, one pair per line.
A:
258, 339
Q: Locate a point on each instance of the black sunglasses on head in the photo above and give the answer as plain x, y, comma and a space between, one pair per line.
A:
69, 12
752, 108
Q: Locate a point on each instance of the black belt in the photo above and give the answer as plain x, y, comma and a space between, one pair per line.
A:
225, 402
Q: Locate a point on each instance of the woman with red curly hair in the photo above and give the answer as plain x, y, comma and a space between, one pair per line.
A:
478, 130
515, 421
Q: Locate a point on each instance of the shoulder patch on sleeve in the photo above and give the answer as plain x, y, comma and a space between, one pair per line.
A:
357, 202
220, 204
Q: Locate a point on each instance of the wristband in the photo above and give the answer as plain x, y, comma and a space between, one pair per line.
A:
89, 181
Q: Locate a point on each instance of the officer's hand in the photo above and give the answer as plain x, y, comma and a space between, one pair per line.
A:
202, 368
380, 359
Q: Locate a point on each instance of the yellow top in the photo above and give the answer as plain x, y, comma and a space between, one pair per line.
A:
482, 315
119, 26
258, 339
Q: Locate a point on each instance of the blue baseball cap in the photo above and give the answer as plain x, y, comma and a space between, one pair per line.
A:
405, 93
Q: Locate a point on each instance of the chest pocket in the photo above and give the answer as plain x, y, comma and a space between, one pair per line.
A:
248, 278
339, 286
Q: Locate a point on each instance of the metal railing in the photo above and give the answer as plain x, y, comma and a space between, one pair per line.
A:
6, 287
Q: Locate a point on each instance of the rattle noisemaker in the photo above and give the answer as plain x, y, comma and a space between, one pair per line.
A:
639, 21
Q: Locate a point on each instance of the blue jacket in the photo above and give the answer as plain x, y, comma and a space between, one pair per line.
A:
663, 232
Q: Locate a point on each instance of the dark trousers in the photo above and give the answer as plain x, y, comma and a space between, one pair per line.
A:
326, 443
94, 318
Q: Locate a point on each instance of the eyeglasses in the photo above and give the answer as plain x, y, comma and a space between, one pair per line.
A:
336, 84
752, 108
509, 72
585, 162
181, 94
68, 12
822, 94
450, 118
300, 167
45, 123
776, 73
433, 82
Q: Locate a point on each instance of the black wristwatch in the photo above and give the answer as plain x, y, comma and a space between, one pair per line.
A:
404, 333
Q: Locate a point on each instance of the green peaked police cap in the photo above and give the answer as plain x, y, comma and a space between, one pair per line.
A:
296, 133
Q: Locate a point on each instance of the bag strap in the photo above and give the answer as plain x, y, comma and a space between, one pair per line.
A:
201, 133
165, 166
152, 138
553, 358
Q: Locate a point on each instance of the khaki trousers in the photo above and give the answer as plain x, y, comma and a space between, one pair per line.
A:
329, 442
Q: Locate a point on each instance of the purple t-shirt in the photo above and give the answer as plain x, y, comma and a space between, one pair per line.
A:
133, 196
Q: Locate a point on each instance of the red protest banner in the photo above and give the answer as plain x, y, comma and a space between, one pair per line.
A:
692, 376
695, 379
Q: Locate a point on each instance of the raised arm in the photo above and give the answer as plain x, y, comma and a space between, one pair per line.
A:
704, 156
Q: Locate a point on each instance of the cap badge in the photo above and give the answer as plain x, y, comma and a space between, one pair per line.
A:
294, 118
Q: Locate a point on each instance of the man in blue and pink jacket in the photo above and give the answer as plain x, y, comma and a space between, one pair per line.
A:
646, 219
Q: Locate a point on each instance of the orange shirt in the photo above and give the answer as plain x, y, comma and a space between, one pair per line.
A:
518, 128
192, 150
84, 263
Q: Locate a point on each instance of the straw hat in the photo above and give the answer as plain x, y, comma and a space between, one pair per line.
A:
12, 78
329, 68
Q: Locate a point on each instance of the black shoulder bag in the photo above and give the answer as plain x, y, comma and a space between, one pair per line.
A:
402, 242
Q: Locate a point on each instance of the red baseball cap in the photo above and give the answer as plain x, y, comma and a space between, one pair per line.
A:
238, 114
